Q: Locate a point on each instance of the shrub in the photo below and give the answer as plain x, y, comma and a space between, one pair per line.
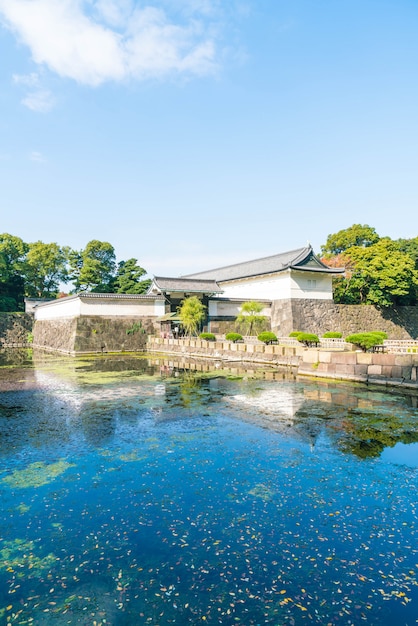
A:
267, 337
234, 337
365, 341
294, 333
135, 328
308, 339
207, 336
332, 335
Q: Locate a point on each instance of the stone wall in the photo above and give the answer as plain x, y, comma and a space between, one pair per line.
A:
389, 369
226, 350
93, 334
14, 329
320, 316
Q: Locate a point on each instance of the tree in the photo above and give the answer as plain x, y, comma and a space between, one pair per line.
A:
12, 256
94, 267
249, 317
191, 313
128, 278
355, 235
45, 268
380, 274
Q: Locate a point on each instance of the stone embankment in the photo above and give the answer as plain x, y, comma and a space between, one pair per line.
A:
15, 329
394, 370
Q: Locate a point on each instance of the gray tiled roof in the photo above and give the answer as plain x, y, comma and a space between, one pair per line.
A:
186, 285
302, 258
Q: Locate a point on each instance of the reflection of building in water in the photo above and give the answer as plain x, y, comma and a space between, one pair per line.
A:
277, 409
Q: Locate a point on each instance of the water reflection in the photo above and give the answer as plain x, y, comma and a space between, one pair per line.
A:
149, 491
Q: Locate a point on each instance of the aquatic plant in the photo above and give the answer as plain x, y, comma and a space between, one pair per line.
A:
36, 475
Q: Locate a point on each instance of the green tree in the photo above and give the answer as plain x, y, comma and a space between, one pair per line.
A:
380, 274
191, 313
45, 268
94, 267
249, 317
12, 258
128, 278
355, 235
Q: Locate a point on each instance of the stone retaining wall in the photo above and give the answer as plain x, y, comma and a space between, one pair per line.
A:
14, 329
320, 316
228, 351
388, 369
87, 334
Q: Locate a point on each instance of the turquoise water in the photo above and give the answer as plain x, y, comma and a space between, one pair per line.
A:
134, 493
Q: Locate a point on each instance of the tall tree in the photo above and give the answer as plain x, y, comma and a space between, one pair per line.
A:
191, 313
380, 274
12, 258
94, 267
45, 268
355, 235
128, 278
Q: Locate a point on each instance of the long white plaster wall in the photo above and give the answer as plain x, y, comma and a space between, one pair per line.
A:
59, 308
274, 287
117, 308
283, 286
76, 307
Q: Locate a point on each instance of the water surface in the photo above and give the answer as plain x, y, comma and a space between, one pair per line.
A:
140, 491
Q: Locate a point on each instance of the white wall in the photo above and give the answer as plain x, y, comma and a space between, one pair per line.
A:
282, 286
230, 309
58, 308
108, 307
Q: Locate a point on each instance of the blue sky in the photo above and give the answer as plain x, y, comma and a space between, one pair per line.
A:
196, 133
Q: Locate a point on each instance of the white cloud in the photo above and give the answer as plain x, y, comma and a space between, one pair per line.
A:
93, 41
40, 101
28, 80
37, 157
37, 98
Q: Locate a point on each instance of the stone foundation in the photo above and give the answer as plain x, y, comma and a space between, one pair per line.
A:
87, 334
321, 316
14, 329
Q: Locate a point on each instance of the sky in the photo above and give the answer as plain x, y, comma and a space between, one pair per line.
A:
192, 134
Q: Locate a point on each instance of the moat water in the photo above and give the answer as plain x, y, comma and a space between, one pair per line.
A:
138, 491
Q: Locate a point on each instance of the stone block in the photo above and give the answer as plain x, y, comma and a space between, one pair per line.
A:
403, 359
344, 358
383, 359
392, 371
374, 370
361, 369
325, 357
365, 358
310, 356
344, 368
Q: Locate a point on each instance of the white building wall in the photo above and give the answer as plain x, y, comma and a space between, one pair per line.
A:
282, 286
58, 308
230, 309
118, 308
309, 285
107, 307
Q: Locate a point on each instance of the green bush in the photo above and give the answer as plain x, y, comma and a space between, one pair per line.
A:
308, 339
207, 336
234, 337
267, 337
135, 328
332, 335
382, 334
365, 341
295, 334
